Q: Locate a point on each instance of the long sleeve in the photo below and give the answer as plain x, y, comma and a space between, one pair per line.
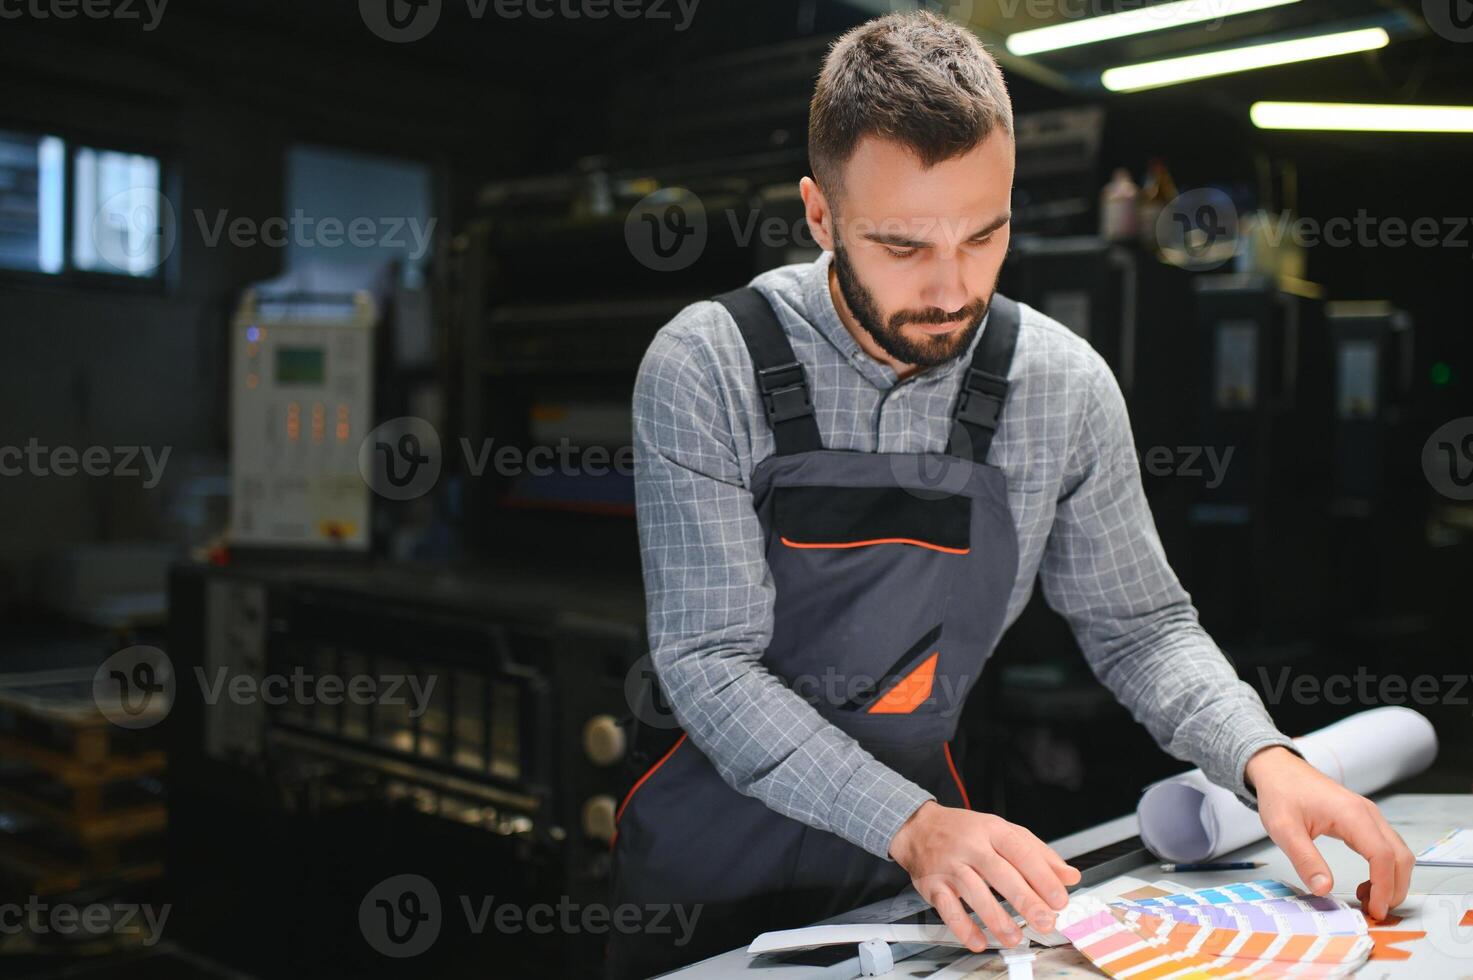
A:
1104, 570
710, 601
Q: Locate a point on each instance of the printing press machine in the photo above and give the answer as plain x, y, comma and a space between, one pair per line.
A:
502, 779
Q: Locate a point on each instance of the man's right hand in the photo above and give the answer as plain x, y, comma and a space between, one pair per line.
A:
954, 855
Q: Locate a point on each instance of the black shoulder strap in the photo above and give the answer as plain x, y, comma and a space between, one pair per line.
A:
985, 385
781, 383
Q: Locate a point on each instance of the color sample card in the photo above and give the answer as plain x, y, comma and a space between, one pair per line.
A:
1310, 915
1261, 928
1453, 851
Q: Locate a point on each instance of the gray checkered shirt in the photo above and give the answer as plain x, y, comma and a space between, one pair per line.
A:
1083, 527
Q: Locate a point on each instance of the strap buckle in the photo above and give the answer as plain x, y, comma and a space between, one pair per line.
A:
784, 392
981, 398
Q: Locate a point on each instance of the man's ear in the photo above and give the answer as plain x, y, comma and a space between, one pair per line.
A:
820, 215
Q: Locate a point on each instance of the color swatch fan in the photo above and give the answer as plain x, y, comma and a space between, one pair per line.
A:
1251, 929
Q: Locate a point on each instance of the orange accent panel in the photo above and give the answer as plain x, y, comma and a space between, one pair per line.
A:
640, 782
1384, 950
910, 692
1390, 920
946, 747
1467, 919
865, 544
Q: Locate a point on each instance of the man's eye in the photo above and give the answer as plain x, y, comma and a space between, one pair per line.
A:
903, 253
981, 241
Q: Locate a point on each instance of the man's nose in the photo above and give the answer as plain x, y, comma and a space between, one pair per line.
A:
947, 288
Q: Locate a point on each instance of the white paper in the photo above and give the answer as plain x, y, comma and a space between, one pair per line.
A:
932, 933
1187, 818
1453, 851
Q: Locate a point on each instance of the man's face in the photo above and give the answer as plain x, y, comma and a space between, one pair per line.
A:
917, 251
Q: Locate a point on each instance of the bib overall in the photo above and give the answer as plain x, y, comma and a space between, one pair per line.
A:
892, 574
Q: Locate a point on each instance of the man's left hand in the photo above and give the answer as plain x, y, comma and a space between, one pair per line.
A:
1298, 803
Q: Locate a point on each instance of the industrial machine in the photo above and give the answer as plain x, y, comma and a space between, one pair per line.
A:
383, 720
1372, 343
1259, 529
1131, 307
1378, 518
301, 400
1057, 178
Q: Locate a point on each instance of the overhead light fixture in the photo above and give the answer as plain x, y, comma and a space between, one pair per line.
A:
1107, 27
1153, 74
1353, 117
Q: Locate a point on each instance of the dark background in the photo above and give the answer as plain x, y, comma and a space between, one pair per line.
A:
266, 859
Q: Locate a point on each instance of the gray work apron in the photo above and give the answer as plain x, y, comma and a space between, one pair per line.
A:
892, 574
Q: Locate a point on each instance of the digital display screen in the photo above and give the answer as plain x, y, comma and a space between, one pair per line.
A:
301, 365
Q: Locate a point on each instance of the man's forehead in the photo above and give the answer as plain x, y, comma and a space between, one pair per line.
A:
876, 157
886, 181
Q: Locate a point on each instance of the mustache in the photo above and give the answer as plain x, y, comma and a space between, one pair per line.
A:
971, 311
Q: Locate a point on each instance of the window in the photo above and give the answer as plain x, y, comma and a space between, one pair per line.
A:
32, 174
121, 225
118, 226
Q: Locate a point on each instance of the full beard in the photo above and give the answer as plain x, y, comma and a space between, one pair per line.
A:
924, 351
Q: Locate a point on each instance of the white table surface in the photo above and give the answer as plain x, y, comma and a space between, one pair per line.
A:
1420, 819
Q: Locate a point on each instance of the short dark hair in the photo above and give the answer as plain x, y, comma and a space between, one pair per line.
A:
911, 77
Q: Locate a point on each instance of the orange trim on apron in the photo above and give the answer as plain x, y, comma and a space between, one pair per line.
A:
910, 692
966, 801
640, 782
865, 544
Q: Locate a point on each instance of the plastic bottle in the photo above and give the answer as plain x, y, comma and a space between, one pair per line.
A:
1118, 201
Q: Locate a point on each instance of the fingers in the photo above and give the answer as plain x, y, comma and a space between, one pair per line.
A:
1405, 861
1025, 901
1402, 861
979, 897
1295, 842
944, 900
1359, 829
1068, 874
1028, 879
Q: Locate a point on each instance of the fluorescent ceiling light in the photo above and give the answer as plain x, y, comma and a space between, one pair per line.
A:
1106, 27
1151, 74
1347, 116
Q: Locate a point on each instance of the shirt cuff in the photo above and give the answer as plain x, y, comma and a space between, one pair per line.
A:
874, 804
1249, 748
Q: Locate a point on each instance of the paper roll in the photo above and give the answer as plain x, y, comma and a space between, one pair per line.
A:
1187, 818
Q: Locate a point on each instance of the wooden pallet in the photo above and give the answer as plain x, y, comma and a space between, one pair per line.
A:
90, 765
66, 761
47, 873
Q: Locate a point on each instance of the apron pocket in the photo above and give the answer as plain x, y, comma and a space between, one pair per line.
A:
857, 517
